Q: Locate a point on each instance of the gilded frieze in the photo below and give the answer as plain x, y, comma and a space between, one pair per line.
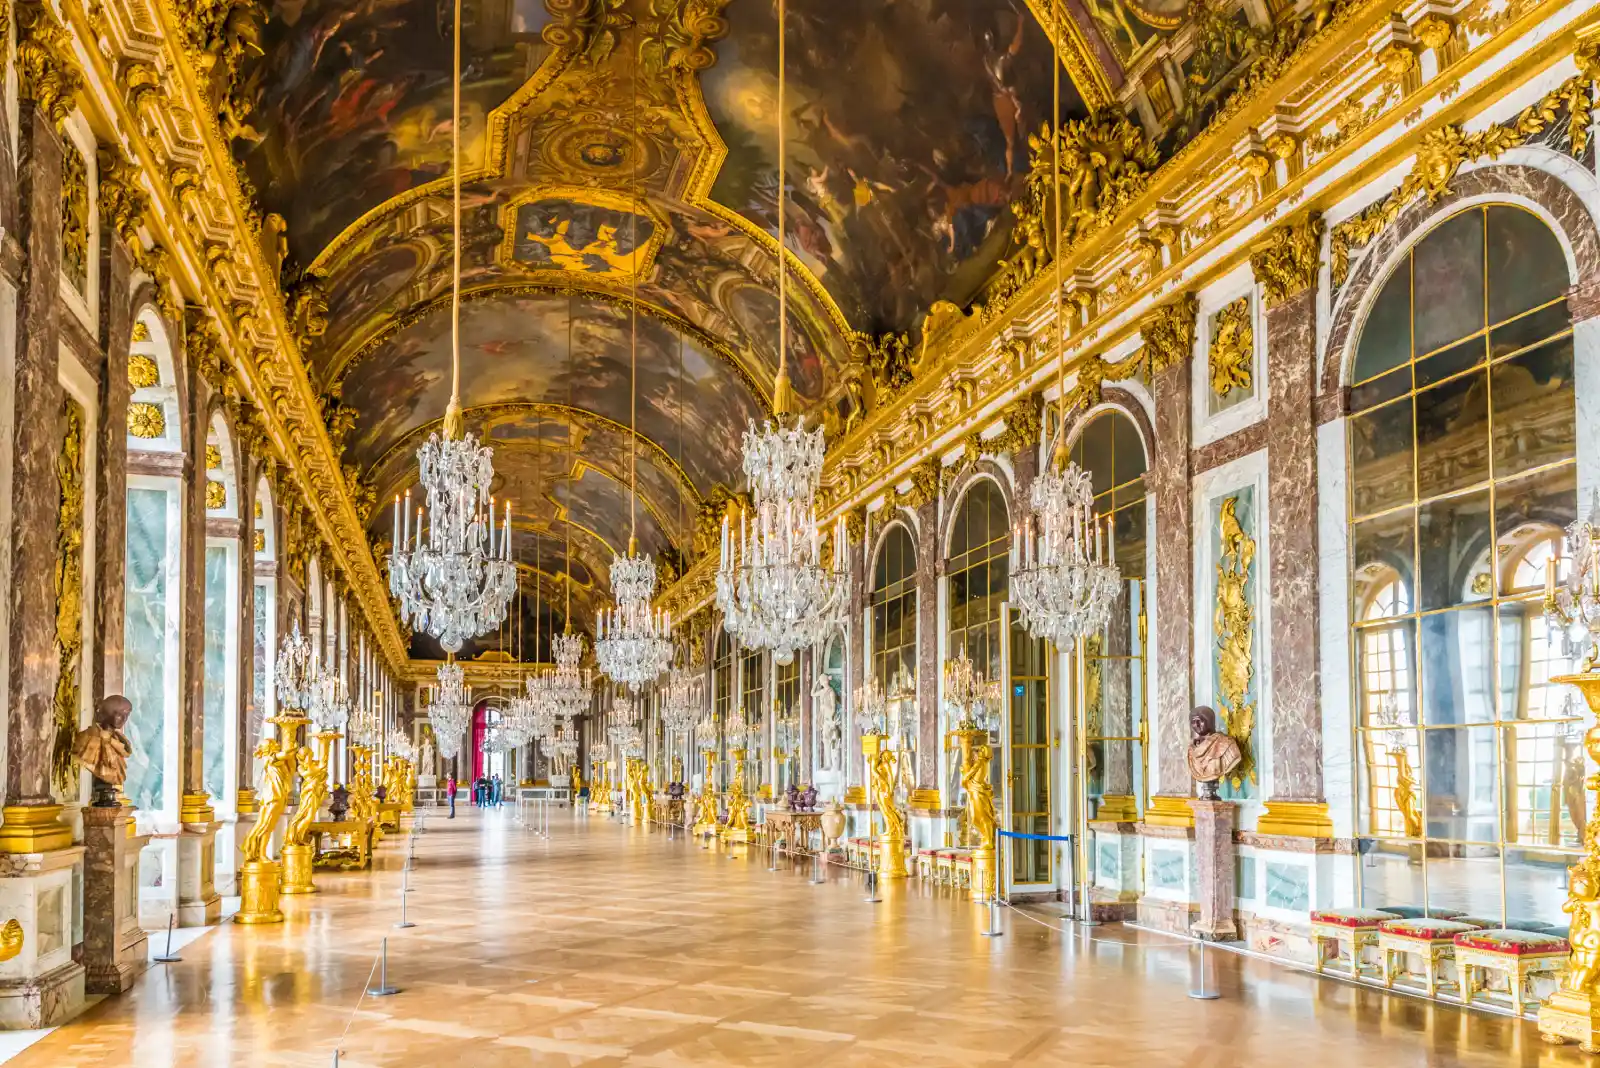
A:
69, 595
1233, 627
74, 217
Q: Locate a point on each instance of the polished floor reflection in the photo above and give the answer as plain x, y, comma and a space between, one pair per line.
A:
606, 945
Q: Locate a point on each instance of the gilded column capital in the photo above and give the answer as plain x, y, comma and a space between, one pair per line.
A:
1023, 426
122, 203
855, 525
46, 73
1285, 261
1168, 333
924, 484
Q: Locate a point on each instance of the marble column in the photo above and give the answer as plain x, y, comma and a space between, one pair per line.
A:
1286, 264
928, 571
1173, 602
30, 816
43, 984
855, 662
111, 473
198, 902
250, 715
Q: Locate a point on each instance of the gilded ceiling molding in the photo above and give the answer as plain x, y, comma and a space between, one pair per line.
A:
659, 456
1077, 55
585, 286
46, 71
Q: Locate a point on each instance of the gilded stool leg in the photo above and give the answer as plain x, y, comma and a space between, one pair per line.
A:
1322, 951
1465, 971
1430, 962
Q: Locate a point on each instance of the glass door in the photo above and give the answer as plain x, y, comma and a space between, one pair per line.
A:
1028, 764
1114, 786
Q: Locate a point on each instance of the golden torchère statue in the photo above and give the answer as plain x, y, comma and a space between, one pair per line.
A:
313, 792
277, 775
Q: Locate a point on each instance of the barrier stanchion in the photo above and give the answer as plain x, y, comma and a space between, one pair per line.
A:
169, 957
872, 897
819, 869
405, 888
383, 989
1202, 992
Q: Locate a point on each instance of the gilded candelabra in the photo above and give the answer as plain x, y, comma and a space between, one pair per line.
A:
258, 876
705, 820
882, 761
1572, 607
738, 827
297, 849
978, 700
363, 802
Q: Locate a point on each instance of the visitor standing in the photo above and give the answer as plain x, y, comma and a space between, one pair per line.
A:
450, 789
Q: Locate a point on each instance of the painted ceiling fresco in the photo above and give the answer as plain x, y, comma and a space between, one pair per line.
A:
621, 156
907, 128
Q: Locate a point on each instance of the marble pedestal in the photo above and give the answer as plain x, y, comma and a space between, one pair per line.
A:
42, 985
199, 904
1213, 846
114, 951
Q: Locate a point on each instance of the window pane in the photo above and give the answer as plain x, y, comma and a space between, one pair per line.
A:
1383, 558
1447, 282
1535, 418
1460, 785
1456, 659
1452, 435
1529, 329
1451, 362
1453, 542
1536, 888
1381, 450
1385, 658
1466, 880
1386, 336
1530, 654
1527, 267
1546, 803
1396, 383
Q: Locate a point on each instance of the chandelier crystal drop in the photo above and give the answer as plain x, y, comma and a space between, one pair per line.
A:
570, 685
683, 701
330, 702
451, 710
294, 677
772, 588
564, 746
632, 640
976, 700
455, 580
1063, 581
366, 724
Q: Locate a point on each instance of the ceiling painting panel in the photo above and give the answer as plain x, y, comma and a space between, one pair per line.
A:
907, 133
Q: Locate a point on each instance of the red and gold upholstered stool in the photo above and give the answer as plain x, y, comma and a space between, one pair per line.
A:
926, 863
1520, 955
1431, 939
1351, 929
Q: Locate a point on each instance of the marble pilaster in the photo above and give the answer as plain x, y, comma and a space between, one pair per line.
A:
1296, 764
111, 469
1173, 602
929, 567
807, 741
192, 613
250, 715
36, 492
114, 951
855, 661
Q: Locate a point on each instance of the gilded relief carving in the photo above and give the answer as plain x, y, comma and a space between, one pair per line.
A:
1233, 621
1285, 262
146, 420
46, 71
69, 596
1231, 357
143, 372
216, 495
74, 217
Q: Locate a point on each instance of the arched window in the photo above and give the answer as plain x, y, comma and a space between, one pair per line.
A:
1462, 441
979, 575
722, 682
894, 611
1111, 450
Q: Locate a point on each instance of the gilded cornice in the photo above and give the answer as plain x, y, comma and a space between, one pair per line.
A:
1213, 191
477, 674
204, 233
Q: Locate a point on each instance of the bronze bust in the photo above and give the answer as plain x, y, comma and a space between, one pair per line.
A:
103, 750
1212, 754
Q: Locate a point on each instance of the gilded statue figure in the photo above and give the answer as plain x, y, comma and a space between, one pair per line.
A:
277, 776
1232, 621
1405, 792
1583, 905
981, 818
313, 791
1212, 754
103, 750
882, 765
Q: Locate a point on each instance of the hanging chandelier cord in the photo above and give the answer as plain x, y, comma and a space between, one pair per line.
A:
1058, 436
453, 423
633, 344
781, 392
566, 523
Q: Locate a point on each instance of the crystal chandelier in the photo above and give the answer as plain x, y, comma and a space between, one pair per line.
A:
493, 742
632, 640
771, 586
977, 699
683, 701
330, 703
564, 747
540, 704
451, 710
366, 723
455, 581
872, 707
705, 732
569, 684
516, 722
400, 746
1063, 581
294, 676
1572, 605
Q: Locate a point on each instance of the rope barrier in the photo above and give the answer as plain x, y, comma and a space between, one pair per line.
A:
1037, 837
